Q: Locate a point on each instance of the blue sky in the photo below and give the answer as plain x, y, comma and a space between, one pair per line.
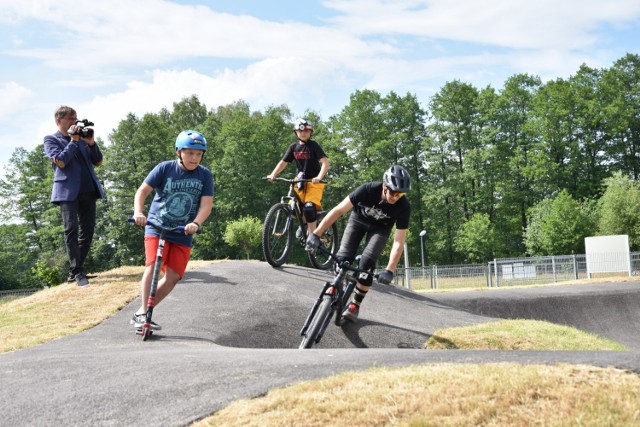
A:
111, 58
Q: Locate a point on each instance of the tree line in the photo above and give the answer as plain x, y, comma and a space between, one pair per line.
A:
528, 169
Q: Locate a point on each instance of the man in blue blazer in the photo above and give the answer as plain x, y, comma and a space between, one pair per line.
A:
75, 186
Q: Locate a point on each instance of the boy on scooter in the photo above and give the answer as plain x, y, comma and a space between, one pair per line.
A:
183, 197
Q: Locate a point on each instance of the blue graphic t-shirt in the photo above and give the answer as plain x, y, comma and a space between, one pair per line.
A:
177, 197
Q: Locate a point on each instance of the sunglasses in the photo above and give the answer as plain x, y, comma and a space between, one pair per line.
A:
395, 193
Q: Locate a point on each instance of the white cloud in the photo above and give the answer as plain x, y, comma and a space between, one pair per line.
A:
154, 32
275, 81
13, 98
543, 24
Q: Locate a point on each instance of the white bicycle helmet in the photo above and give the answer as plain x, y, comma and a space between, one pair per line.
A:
302, 124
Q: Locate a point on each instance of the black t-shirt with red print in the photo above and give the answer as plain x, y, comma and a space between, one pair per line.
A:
307, 157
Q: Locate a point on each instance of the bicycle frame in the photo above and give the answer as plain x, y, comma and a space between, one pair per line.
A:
295, 205
279, 228
333, 298
337, 293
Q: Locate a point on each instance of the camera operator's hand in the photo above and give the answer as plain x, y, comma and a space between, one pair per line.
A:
72, 131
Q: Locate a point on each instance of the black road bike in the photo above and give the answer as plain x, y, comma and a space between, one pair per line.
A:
146, 329
333, 299
284, 225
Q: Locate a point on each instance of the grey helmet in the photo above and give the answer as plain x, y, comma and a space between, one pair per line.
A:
397, 179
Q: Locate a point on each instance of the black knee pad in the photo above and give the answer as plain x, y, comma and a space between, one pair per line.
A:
365, 279
309, 211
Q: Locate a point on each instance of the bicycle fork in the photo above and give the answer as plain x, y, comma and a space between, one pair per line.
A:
287, 225
314, 309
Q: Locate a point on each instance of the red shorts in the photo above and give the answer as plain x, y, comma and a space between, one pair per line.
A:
175, 256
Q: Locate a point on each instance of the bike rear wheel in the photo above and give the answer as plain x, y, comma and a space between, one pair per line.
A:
328, 240
277, 235
317, 324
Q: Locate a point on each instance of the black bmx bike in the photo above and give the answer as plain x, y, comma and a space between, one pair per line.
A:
284, 226
146, 330
333, 299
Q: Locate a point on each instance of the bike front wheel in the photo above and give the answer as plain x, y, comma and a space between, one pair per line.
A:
329, 241
318, 323
277, 235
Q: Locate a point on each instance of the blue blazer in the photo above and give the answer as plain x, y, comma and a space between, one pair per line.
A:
66, 181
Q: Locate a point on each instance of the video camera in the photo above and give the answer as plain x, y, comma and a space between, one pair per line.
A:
83, 129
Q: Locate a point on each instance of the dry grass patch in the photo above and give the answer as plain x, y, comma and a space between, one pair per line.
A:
67, 309
451, 395
519, 334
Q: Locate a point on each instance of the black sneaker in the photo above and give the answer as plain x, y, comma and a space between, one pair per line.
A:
138, 320
82, 280
71, 278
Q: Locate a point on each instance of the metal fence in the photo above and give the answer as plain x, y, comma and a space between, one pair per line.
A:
17, 293
507, 272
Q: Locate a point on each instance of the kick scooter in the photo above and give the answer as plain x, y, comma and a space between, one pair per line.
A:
146, 329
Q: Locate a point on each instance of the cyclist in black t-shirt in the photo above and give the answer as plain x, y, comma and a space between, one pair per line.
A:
311, 163
377, 207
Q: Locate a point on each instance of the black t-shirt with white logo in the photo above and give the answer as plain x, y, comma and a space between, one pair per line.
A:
368, 206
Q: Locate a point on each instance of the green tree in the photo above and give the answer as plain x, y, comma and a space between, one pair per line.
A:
475, 239
554, 120
251, 144
245, 233
452, 135
620, 209
138, 145
25, 193
558, 226
590, 142
620, 93
514, 144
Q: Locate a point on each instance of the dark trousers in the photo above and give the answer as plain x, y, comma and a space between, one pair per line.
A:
79, 219
375, 238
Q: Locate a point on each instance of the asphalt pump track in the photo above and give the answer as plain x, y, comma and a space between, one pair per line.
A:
231, 331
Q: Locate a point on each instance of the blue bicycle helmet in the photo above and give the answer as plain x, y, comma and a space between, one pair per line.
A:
191, 139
